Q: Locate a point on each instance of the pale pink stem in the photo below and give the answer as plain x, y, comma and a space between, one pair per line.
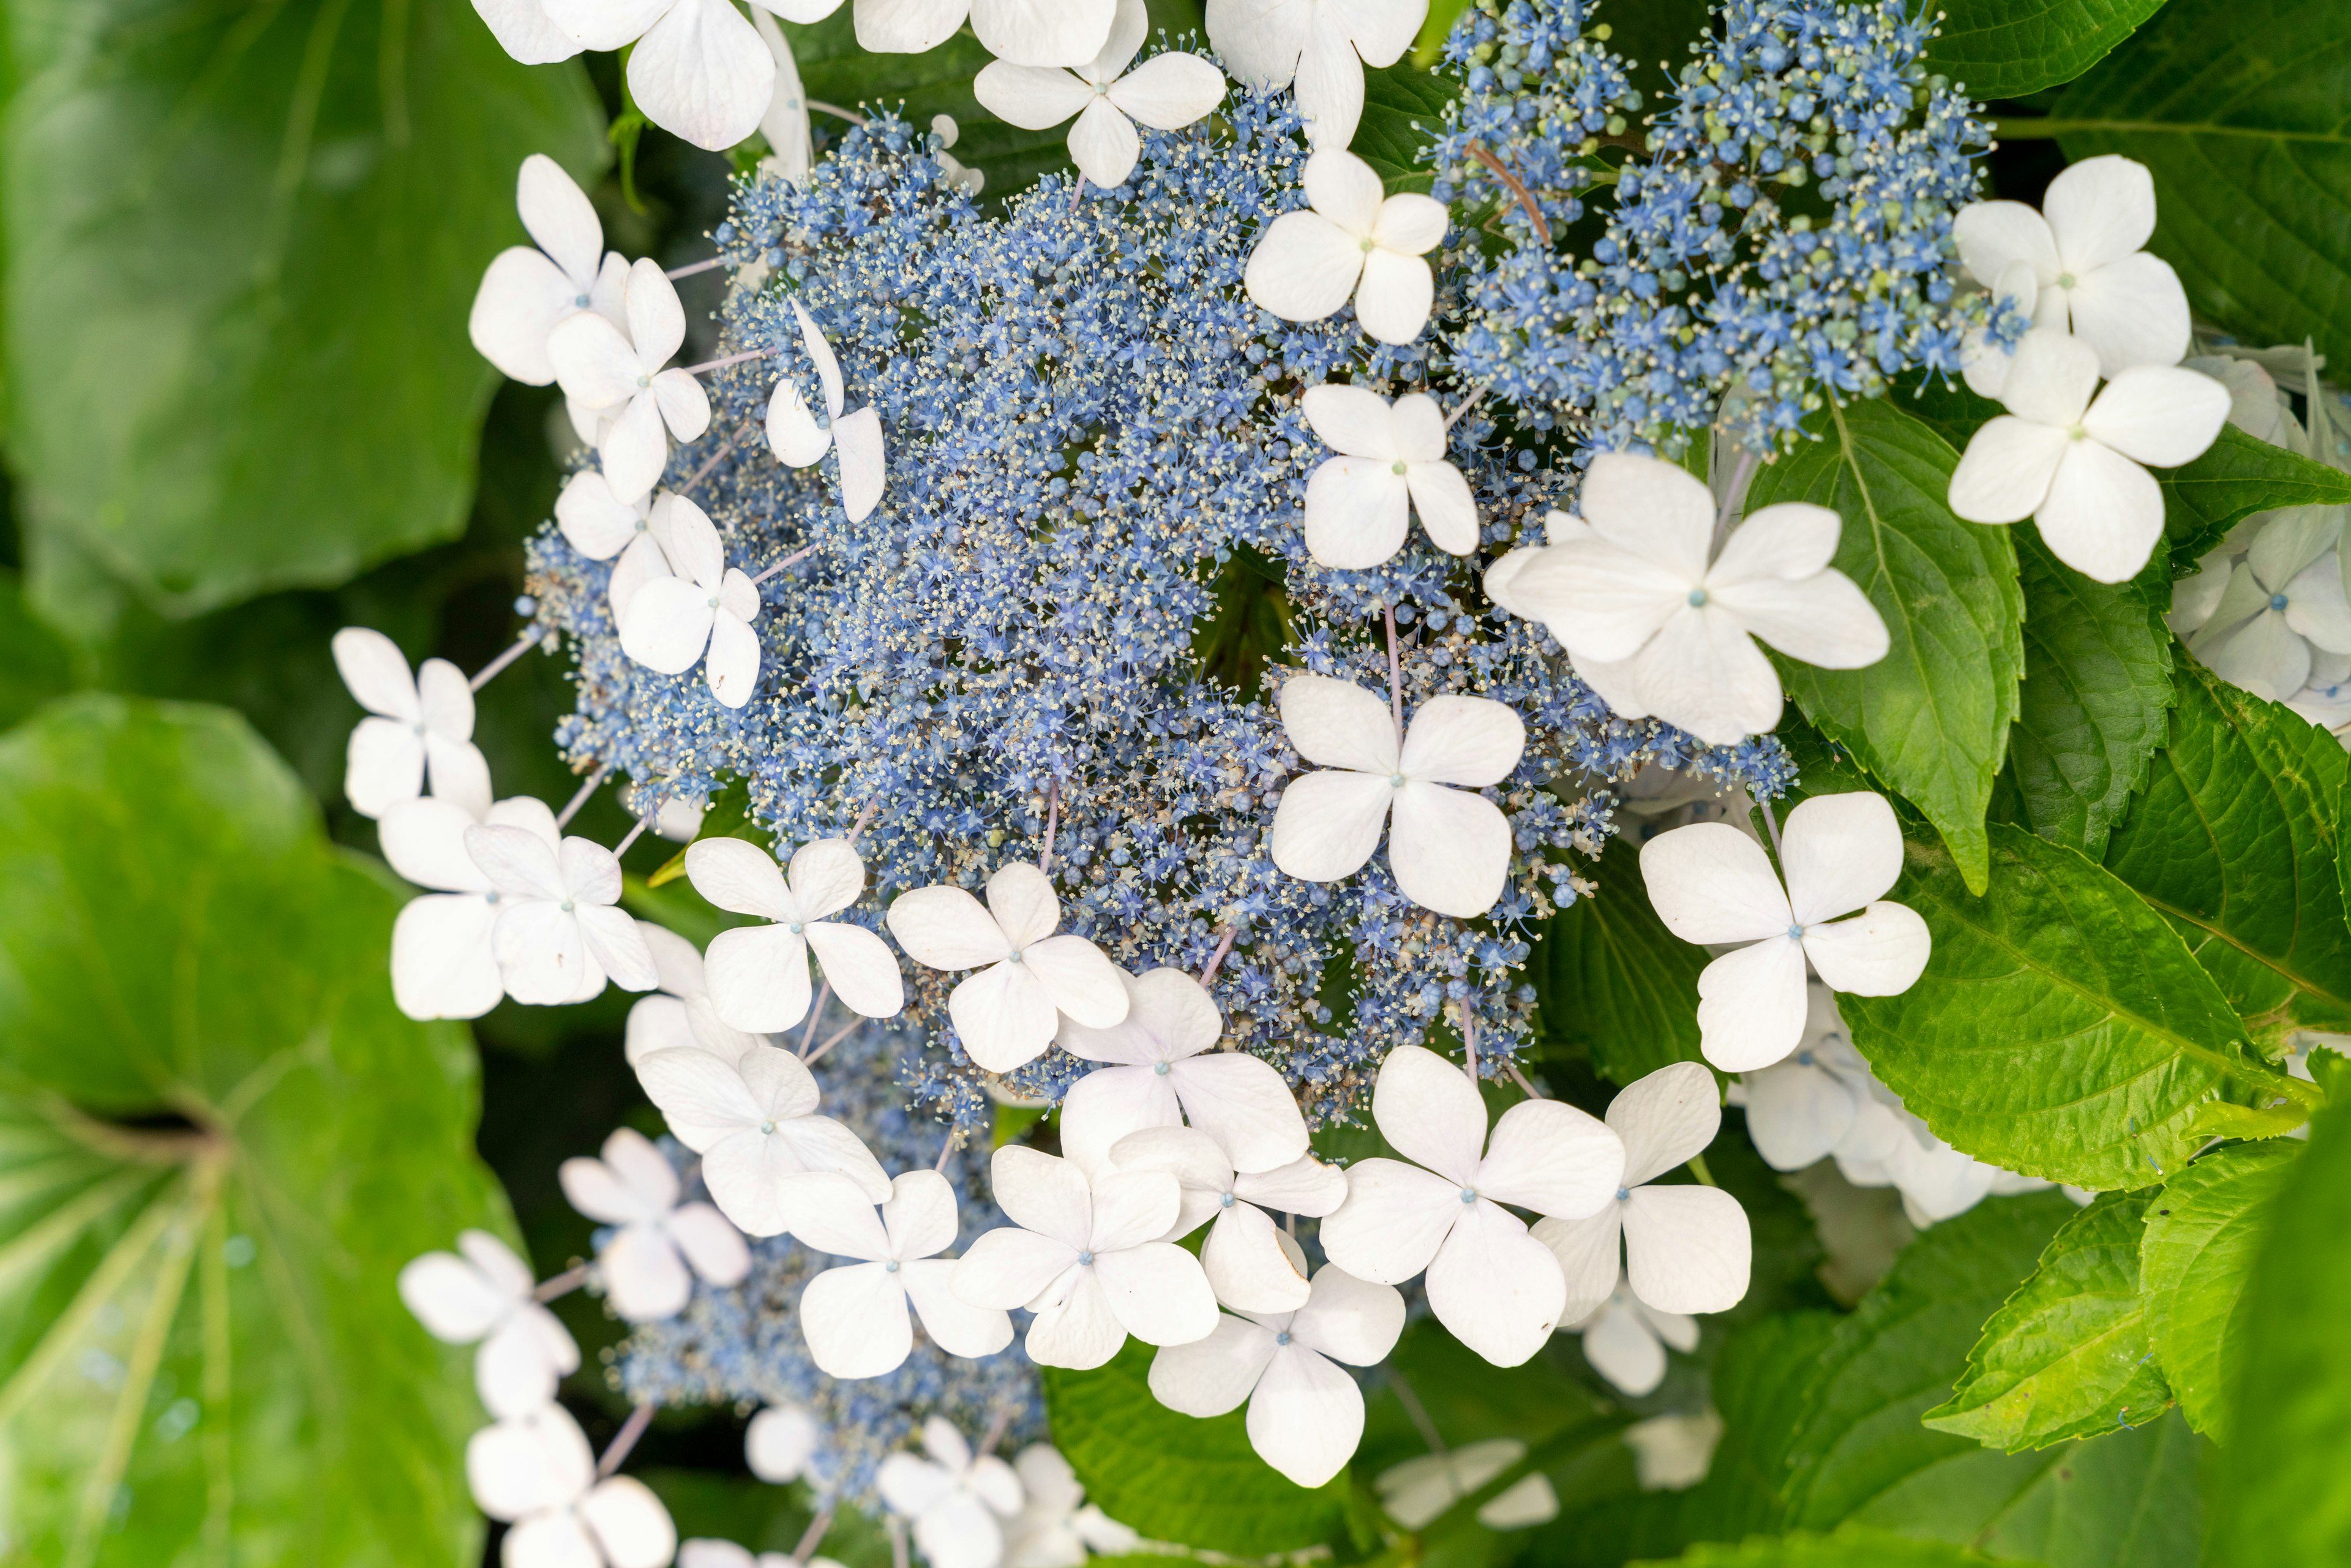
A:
1217, 958
624, 1439
708, 365
580, 796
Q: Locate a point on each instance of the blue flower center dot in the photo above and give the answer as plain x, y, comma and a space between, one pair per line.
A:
794, 928
2277, 601
1468, 1194
1795, 933
581, 300
891, 1267
1014, 957
1698, 599
566, 906
1160, 1068
1281, 1338
1087, 1259
1804, 1058
1395, 781
1624, 1194
645, 381
766, 1126
1226, 1201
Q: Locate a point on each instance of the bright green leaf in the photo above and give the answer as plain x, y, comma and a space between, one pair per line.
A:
2007, 49
2062, 1028
218, 1143
1851, 1548
1611, 981
242, 244
2235, 841
1931, 718
2203, 1231
1862, 1458
1175, 1478
1403, 108
2067, 1356
2236, 476
2097, 669
2237, 107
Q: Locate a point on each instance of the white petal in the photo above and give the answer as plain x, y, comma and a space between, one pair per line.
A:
2099, 210
1652, 509
855, 1321
737, 875
1665, 1118
596, 363
1157, 1291
525, 32
1081, 1331
518, 1366
1430, 1112
2159, 414
954, 1324
1396, 295
1304, 268
1468, 741
1840, 852
1547, 1156
1082, 983
1169, 91
543, 955
1750, 1010
1450, 850
1031, 97
1329, 823
1009, 1267
1241, 1102
780, 1442
1448, 513
2133, 311
1305, 1185
1306, 1417
1260, 41
1604, 602
2103, 514
1687, 1248
1703, 672
1004, 1016
1358, 510
632, 448
714, 1249
793, 434
1170, 1017
732, 670
592, 519
857, 438
1104, 145
522, 297
2316, 606
455, 1301
758, 976
630, 1524
1132, 1206
1043, 32
1394, 1218
442, 966
1246, 1265
1993, 236
1878, 953
1330, 83
1796, 1115
907, 26
1586, 1251
1337, 723
1210, 1376
1351, 420
2004, 474
1710, 883
702, 1097
376, 670
1621, 1348
1107, 1104
641, 561
1043, 1194
865, 975
614, 946
1495, 1288
703, 74
946, 928
644, 1278
1348, 1319
1824, 620
1020, 898
684, 406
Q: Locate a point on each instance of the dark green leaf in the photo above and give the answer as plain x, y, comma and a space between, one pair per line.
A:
2067, 1356
1931, 718
2007, 49
220, 1144
242, 244
34, 664
2097, 682
1175, 1478
1403, 108
2061, 1029
2236, 476
2281, 1496
2202, 1234
1852, 1548
2234, 840
1862, 1457
2237, 107
1611, 981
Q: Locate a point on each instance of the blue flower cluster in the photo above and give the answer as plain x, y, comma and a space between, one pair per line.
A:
1782, 235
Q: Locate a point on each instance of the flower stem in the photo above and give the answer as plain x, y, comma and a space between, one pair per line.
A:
580, 796
1742, 474
729, 359
816, 1012
626, 1439
690, 268
794, 559
562, 1284
1526, 197
1052, 822
523, 645
1395, 674
637, 831
704, 472
1217, 958
813, 1536
1772, 826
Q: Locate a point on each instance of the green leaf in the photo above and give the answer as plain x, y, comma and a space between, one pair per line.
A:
2097, 681
2007, 49
2067, 1356
1403, 110
34, 664
1175, 1478
2236, 476
1862, 1457
2279, 1496
2061, 1029
2236, 106
1429, 45
2234, 840
1611, 981
1852, 1548
242, 244
1931, 718
2203, 1232
218, 1143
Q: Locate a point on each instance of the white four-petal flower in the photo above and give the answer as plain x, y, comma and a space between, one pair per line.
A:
530, 290
1244, 1258
1496, 1290
1624, 1340
620, 373
1056, 1527
679, 1014
1712, 883
2282, 599
1167, 92
758, 975
2081, 253
487, 1296
644, 1265
1450, 847
1028, 978
798, 440
1687, 1248
701, 615
558, 937
1803, 1108
420, 727
441, 963
1392, 461
1354, 240
537, 1473
2073, 462
957, 1502
1642, 601
1322, 44
1163, 1066
754, 1123
1305, 1416
1083, 1252
601, 527
855, 1317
